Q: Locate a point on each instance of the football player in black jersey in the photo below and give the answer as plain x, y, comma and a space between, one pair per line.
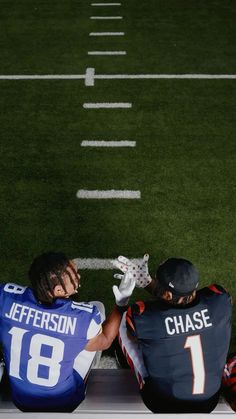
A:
177, 343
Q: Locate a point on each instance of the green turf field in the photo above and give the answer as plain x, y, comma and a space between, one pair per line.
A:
185, 158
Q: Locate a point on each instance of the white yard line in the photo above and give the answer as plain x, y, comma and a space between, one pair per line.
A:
108, 194
96, 263
43, 77
103, 143
106, 34
106, 17
107, 105
116, 76
107, 53
105, 4
164, 76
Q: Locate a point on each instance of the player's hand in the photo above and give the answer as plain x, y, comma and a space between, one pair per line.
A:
139, 271
125, 289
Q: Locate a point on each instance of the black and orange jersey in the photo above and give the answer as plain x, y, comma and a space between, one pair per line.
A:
229, 377
184, 347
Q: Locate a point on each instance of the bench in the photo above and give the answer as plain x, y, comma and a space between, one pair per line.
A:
109, 392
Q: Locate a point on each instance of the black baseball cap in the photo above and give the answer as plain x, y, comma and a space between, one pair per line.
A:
178, 276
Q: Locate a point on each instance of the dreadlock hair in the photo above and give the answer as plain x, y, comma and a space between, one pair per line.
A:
159, 291
46, 272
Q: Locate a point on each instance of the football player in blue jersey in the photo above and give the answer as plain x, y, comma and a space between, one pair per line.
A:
49, 341
177, 343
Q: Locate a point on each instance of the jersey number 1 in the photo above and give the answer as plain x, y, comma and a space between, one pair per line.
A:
195, 345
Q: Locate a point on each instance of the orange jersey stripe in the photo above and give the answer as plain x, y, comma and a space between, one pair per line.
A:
214, 289
141, 306
129, 321
129, 312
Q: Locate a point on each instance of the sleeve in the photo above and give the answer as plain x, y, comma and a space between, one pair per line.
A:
220, 290
3, 294
1, 297
135, 309
95, 325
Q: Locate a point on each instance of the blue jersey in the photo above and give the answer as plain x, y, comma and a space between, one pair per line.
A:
184, 348
44, 348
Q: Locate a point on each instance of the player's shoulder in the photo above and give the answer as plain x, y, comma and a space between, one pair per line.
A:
214, 289
146, 307
91, 318
10, 288
217, 289
137, 308
215, 292
83, 308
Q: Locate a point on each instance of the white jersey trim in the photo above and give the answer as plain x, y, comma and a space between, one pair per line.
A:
83, 362
82, 306
94, 329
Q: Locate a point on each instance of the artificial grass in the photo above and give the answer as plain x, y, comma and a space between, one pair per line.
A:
183, 165
184, 162
42, 37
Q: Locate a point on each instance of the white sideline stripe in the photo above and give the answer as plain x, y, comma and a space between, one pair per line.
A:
110, 194
43, 77
165, 76
115, 76
108, 143
106, 17
95, 263
106, 52
89, 77
106, 34
107, 105
105, 4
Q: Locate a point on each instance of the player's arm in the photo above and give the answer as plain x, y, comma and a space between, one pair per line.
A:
220, 290
110, 328
111, 325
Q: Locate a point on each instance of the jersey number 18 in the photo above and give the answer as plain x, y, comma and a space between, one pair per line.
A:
52, 363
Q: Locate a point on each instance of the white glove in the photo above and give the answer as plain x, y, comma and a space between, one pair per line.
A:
139, 271
125, 289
